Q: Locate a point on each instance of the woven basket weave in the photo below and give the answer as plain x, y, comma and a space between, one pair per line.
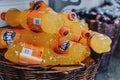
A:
10, 71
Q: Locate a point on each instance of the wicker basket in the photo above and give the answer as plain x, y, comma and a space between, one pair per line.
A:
10, 71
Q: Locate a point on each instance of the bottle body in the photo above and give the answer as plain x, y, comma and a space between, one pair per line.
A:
25, 53
42, 21
23, 19
16, 18
9, 36
63, 51
11, 17
76, 54
100, 43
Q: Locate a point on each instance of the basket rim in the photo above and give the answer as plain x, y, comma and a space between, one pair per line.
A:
49, 68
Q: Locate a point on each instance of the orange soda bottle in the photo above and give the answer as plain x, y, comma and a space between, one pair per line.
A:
43, 18
100, 43
8, 36
42, 21
63, 51
24, 53
15, 18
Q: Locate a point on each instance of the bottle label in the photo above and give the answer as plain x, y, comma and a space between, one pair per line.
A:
65, 46
8, 36
37, 21
62, 49
34, 20
31, 54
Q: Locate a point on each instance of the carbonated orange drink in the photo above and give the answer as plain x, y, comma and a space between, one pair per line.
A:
16, 18
8, 36
46, 22
24, 53
100, 43
63, 51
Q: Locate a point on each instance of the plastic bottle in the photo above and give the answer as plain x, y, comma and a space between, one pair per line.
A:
16, 18
25, 53
59, 51
8, 36
63, 51
100, 43
48, 22
43, 18
11, 17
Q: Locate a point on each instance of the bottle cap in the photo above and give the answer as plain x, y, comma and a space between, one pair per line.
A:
2, 16
76, 38
85, 33
39, 4
72, 16
62, 46
61, 41
88, 35
63, 31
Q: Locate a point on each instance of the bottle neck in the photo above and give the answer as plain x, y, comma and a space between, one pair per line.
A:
2, 16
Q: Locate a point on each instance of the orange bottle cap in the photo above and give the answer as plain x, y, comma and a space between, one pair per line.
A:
72, 16
57, 49
39, 5
62, 46
63, 31
85, 33
76, 38
61, 41
3, 15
